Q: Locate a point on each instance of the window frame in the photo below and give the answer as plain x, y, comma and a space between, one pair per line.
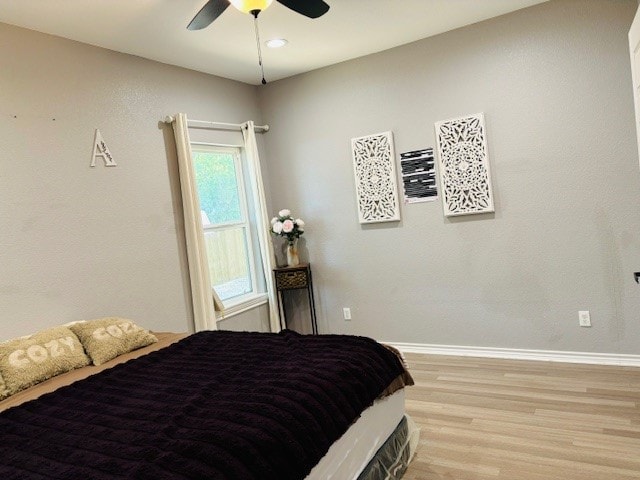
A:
254, 298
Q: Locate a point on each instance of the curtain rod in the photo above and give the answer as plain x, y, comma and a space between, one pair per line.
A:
217, 125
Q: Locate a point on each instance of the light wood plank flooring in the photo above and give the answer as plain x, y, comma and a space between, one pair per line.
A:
493, 419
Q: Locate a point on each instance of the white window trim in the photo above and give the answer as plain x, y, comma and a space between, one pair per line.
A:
201, 293
243, 303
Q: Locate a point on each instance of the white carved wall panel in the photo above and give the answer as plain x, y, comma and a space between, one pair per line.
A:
375, 175
465, 178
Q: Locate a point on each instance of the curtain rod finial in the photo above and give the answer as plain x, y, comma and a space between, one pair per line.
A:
169, 119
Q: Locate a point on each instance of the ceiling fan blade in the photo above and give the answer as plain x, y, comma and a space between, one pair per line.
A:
308, 8
207, 14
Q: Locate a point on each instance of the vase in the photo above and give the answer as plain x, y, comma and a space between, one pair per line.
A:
292, 254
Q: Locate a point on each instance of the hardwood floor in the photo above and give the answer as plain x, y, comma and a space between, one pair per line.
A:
493, 419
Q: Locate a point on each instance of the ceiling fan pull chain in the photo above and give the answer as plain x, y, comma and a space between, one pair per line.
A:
255, 24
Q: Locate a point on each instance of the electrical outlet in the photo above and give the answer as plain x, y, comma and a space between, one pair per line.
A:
584, 318
346, 312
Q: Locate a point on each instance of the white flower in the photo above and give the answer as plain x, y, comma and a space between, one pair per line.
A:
284, 225
287, 226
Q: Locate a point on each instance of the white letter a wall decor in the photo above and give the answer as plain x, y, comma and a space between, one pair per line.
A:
100, 149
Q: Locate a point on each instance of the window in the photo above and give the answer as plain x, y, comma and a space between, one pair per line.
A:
226, 223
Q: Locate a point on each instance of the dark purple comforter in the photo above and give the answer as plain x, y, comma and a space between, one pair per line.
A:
216, 405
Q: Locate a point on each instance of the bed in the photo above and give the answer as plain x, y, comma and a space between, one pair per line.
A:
217, 405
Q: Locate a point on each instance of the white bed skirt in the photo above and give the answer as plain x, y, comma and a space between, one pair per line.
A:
351, 453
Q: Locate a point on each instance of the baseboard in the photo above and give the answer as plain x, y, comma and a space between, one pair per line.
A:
518, 354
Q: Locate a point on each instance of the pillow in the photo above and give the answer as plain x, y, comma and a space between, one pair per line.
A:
4, 391
106, 338
30, 360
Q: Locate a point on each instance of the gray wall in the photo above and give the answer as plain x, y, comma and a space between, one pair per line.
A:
554, 83
256, 320
552, 80
79, 242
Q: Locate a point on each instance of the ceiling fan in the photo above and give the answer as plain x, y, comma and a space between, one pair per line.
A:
214, 8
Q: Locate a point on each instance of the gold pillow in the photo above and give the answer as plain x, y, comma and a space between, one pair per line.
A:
30, 360
106, 338
4, 391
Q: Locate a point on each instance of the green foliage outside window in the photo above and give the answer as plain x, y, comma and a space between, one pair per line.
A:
217, 186
219, 194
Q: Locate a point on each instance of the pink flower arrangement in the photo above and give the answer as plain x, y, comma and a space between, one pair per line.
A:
284, 225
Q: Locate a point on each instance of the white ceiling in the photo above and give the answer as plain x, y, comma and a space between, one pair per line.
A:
156, 29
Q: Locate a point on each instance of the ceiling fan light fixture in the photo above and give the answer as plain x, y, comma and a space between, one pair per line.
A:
250, 6
276, 42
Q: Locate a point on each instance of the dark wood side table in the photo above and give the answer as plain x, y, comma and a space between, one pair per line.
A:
295, 278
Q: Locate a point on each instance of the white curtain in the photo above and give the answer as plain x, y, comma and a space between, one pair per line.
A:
201, 292
262, 220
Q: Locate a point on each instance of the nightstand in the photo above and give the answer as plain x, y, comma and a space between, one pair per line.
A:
295, 278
